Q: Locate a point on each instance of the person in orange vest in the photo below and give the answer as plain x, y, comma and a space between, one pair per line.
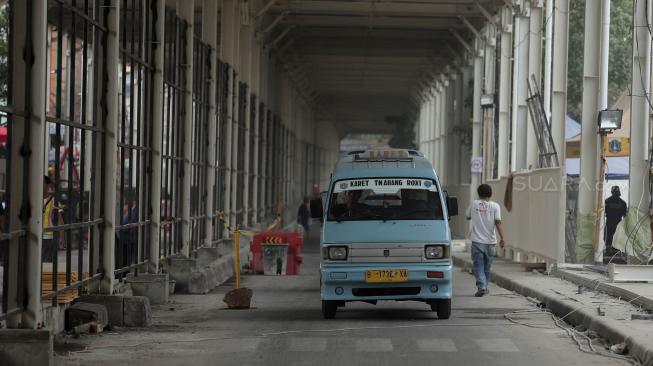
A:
50, 212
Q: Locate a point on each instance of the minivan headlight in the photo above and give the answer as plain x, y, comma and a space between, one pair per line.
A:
337, 253
434, 251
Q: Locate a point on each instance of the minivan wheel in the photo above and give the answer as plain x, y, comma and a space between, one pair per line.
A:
442, 307
329, 309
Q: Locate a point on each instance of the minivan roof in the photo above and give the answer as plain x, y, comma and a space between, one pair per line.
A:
378, 163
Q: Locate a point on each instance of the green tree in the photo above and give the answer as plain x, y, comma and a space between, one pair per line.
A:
620, 53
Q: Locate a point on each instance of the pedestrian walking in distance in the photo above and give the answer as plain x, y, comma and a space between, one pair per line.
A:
304, 215
615, 210
485, 216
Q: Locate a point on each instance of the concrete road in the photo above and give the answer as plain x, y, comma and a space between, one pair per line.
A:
286, 328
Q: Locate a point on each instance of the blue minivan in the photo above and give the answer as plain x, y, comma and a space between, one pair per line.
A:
385, 232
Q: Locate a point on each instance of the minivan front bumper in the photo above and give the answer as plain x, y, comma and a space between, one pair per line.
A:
347, 282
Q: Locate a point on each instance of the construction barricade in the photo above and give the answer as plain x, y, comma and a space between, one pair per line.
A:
266, 240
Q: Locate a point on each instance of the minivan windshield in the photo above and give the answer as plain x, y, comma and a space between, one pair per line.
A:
385, 199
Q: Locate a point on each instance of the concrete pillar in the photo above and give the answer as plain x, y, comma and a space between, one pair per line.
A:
639, 195
476, 117
505, 82
590, 146
520, 90
534, 68
185, 10
210, 37
559, 111
27, 171
110, 148
157, 137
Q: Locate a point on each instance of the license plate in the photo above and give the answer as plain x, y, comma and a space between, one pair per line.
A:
386, 275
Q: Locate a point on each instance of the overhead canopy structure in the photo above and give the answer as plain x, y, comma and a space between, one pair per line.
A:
365, 60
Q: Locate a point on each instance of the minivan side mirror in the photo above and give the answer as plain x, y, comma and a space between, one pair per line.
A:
452, 206
317, 208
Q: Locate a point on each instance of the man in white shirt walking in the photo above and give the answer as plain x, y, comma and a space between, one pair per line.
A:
485, 216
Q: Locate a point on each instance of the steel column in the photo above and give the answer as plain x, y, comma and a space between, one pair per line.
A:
110, 147
185, 10
228, 30
442, 158
255, 78
210, 37
31, 316
520, 91
458, 123
487, 126
639, 195
476, 117
505, 81
534, 68
246, 42
548, 56
559, 111
157, 137
589, 148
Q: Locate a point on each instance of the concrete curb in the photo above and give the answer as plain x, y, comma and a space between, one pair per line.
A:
565, 308
607, 288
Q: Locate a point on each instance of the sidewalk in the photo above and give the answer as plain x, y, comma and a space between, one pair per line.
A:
583, 309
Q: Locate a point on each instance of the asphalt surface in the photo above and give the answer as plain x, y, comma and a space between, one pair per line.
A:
286, 327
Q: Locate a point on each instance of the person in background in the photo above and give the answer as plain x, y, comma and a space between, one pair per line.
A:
3, 209
304, 215
615, 210
51, 212
485, 216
